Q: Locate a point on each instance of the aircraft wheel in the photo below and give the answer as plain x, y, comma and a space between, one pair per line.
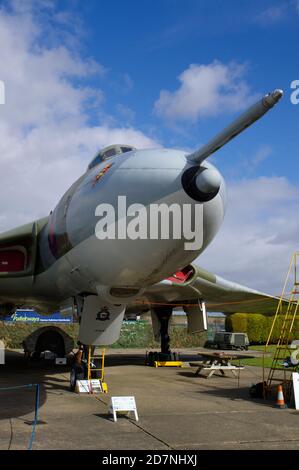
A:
35, 356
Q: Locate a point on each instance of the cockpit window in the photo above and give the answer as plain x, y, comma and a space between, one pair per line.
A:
95, 162
109, 152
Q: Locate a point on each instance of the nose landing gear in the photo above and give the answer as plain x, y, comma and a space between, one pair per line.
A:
88, 366
164, 316
78, 369
161, 320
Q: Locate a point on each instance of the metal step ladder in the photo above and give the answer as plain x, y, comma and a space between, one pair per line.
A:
287, 313
92, 366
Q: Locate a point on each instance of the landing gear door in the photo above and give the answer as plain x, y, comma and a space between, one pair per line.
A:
197, 317
100, 322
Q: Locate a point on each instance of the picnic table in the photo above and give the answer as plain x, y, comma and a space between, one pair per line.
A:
213, 361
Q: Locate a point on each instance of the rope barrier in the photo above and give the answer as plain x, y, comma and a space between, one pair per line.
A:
215, 304
36, 408
236, 302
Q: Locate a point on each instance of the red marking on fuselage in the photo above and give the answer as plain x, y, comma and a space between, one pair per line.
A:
101, 173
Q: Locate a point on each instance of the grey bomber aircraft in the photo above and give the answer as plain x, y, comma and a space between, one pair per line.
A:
59, 261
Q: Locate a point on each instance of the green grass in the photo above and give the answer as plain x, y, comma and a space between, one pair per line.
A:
258, 361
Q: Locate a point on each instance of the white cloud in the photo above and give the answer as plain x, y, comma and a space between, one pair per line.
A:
126, 113
46, 140
128, 83
206, 90
277, 13
261, 155
273, 14
248, 164
259, 234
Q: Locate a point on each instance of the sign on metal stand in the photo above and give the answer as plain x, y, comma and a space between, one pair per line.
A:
123, 404
92, 386
296, 389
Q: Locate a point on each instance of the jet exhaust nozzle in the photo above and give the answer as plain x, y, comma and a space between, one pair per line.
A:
208, 181
202, 184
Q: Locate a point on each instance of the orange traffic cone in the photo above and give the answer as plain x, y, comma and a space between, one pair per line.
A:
280, 398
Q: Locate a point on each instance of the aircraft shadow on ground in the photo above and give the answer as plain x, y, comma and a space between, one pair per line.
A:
138, 359
241, 393
235, 392
112, 360
18, 371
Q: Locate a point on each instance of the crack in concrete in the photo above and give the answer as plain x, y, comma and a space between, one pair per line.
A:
152, 435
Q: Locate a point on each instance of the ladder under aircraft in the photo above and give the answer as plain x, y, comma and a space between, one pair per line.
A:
95, 367
285, 318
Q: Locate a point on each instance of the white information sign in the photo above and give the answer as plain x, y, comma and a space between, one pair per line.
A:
123, 404
296, 389
89, 386
60, 361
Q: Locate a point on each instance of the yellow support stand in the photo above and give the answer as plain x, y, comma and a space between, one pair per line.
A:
168, 364
91, 369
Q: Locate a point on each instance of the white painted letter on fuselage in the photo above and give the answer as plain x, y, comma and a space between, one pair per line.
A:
137, 227
197, 234
105, 228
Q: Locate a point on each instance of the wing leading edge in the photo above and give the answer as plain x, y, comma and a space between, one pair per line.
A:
220, 295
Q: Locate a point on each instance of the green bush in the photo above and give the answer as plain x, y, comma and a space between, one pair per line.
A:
15, 333
236, 322
258, 326
133, 335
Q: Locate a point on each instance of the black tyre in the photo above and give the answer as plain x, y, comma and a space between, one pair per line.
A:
77, 373
258, 390
35, 356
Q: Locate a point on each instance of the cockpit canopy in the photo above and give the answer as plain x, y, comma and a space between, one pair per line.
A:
109, 152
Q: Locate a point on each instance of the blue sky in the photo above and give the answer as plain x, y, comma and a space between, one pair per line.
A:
80, 75
145, 45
